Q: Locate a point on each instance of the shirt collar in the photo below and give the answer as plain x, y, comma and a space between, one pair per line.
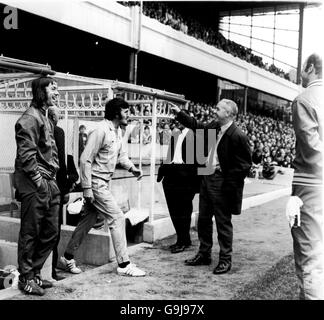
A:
226, 126
184, 131
110, 125
317, 82
42, 109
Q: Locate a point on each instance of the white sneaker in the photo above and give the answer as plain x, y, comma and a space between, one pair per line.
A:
131, 270
70, 265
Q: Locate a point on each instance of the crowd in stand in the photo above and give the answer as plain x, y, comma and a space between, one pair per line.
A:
271, 141
162, 12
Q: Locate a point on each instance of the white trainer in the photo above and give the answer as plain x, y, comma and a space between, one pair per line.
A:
131, 271
70, 265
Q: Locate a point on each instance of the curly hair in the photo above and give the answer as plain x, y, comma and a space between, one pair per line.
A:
114, 106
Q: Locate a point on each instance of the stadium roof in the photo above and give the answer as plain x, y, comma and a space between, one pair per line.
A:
210, 9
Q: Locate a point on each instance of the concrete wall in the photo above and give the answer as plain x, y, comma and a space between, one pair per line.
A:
8, 257
106, 19
179, 47
95, 250
162, 228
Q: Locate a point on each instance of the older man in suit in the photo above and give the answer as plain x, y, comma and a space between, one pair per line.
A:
180, 184
221, 189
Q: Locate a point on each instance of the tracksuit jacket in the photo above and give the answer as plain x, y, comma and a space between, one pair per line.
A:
307, 109
36, 148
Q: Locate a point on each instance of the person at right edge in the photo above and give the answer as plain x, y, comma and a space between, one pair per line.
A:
307, 232
221, 189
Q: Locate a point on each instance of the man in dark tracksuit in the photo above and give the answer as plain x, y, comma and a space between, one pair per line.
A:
36, 165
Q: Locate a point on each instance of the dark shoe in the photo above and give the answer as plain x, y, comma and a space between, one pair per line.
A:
222, 267
179, 248
44, 284
178, 244
57, 277
173, 246
30, 287
198, 260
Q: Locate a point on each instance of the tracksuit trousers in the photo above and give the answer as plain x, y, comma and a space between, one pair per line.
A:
308, 243
104, 203
39, 223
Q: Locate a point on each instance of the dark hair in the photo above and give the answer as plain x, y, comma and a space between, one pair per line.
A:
316, 60
38, 90
114, 106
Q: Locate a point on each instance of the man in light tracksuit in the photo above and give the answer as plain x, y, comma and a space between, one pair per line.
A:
307, 112
103, 150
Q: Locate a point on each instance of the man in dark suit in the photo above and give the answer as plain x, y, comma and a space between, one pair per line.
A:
66, 176
180, 184
221, 189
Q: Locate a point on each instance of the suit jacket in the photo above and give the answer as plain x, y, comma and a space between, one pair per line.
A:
181, 174
234, 157
66, 175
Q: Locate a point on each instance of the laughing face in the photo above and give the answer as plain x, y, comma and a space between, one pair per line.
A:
123, 117
52, 94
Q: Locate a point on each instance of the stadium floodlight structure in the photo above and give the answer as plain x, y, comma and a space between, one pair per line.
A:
81, 98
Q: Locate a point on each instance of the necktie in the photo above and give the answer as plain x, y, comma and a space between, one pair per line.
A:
214, 153
210, 160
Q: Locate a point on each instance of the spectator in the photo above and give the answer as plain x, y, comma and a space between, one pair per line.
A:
257, 157
165, 134
147, 137
82, 139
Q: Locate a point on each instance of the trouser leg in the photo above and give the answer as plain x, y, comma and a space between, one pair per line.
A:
224, 234
205, 223
49, 227
180, 208
185, 218
28, 234
172, 207
106, 204
308, 244
34, 205
87, 220
55, 248
223, 218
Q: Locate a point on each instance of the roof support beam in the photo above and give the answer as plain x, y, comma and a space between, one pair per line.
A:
300, 41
